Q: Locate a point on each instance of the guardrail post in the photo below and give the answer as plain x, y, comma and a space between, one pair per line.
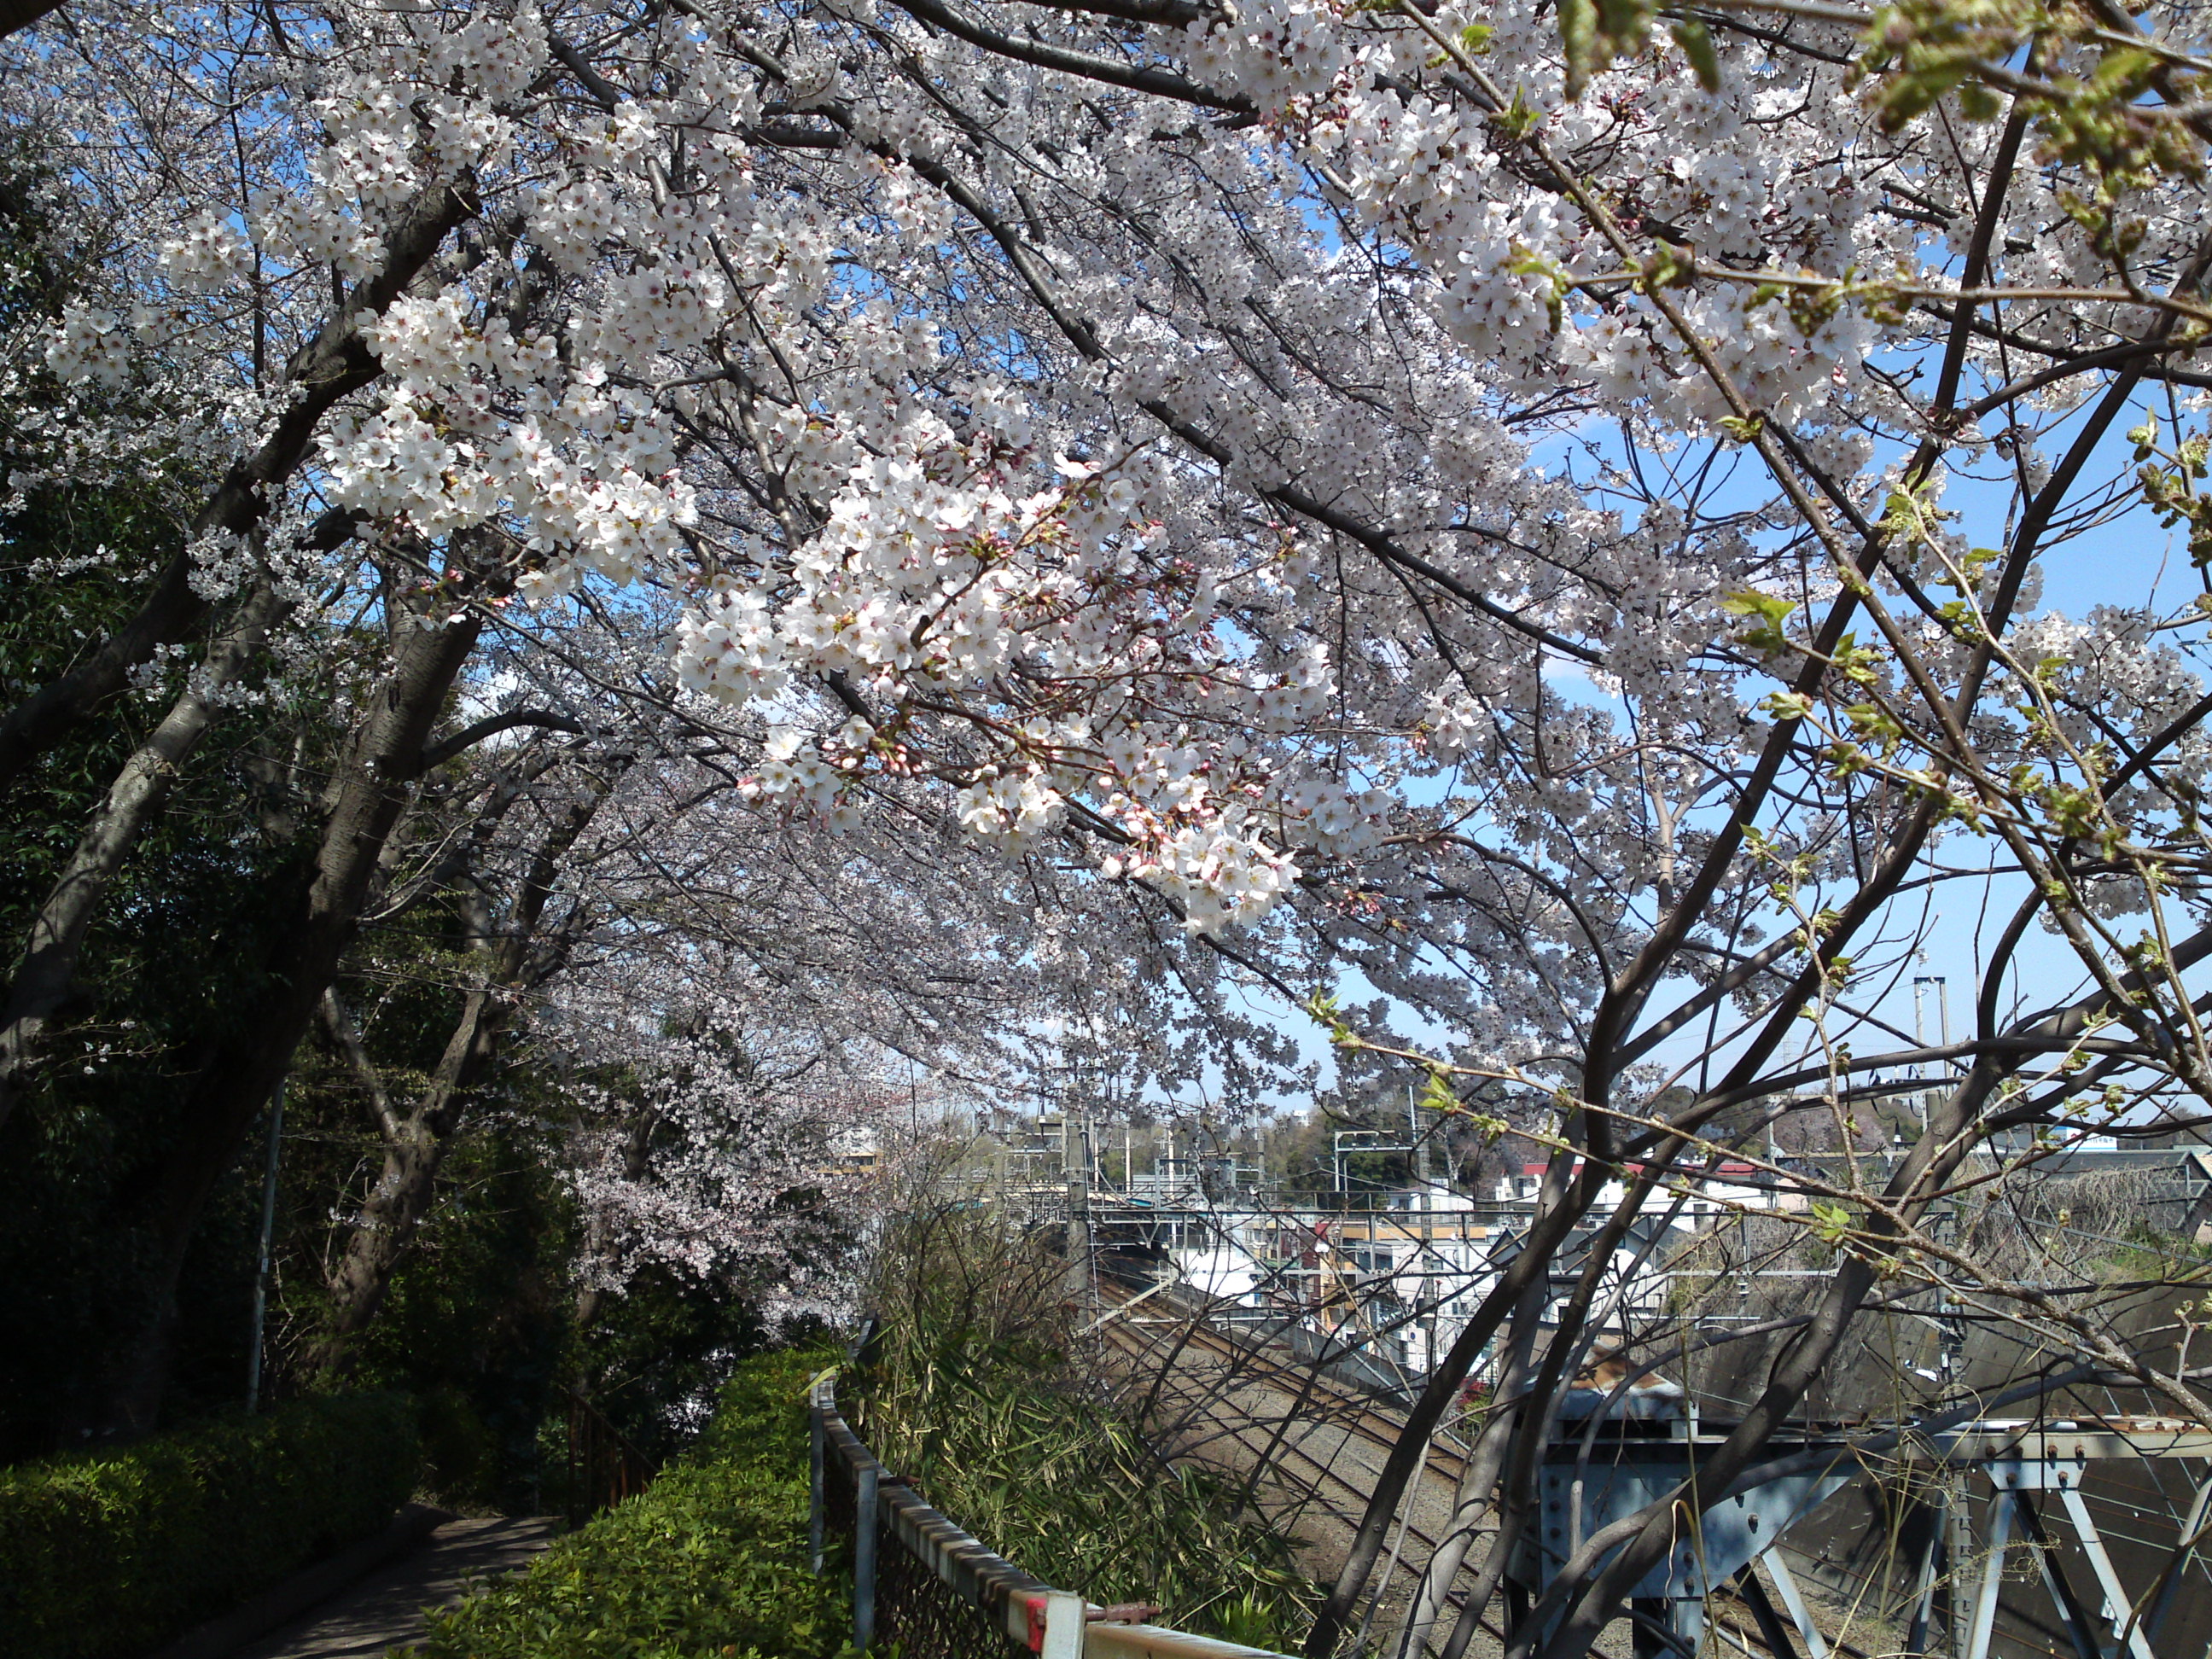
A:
816, 1435
1065, 1616
863, 1559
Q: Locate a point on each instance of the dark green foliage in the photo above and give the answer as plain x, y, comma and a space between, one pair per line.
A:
659, 1350
172, 964
104, 1555
971, 1398
709, 1564
482, 1317
476, 1322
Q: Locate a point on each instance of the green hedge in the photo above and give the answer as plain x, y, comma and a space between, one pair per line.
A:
710, 1563
106, 1554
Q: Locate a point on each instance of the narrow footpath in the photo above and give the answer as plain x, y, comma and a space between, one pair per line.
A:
391, 1607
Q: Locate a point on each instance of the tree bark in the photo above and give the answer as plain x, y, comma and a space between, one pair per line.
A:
1564, 1201
1585, 1596
21, 14
367, 792
333, 365
412, 1155
414, 1148
56, 941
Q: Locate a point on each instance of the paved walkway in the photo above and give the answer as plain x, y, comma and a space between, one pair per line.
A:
388, 1608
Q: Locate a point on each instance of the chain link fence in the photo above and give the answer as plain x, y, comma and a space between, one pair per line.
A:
933, 1591
920, 1582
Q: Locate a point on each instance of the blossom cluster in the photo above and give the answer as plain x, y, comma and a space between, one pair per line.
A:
1299, 461
1017, 643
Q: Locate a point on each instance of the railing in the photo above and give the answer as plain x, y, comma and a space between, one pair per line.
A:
604, 1466
936, 1592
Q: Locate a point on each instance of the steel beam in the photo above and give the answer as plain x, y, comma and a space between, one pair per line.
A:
1986, 1595
2086, 1642
1772, 1630
1800, 1616
1923, 1589
2119, 1611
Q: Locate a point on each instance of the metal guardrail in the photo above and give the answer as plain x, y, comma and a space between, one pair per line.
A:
938, 1592
604, 1466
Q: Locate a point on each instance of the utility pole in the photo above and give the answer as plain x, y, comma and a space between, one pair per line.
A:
1920, 982
1075, 1171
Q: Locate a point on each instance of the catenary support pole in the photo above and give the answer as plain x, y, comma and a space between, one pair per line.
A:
1985, 1599
2118, 1611
1786, 1585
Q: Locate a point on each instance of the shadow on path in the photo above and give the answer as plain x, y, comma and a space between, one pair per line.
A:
389, 1607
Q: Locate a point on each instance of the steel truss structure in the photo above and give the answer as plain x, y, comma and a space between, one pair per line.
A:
1593, 1478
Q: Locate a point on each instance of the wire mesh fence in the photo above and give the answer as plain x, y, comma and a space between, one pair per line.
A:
921, 1582
933, 1591
921, 1615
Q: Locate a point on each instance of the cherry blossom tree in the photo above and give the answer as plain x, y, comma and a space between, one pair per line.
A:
1533, 520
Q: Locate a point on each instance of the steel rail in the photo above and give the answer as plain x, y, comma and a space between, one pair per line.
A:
1368, 1421
1326, 1471
1326, 1475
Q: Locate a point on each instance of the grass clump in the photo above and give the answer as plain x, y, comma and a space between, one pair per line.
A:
708, 1562
969, 1393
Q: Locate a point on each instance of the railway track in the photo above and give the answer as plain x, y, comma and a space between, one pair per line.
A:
1339, 1494
1351, 1409
1303, 1476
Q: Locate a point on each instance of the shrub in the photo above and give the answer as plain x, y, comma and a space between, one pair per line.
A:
106, 1553
709, 1563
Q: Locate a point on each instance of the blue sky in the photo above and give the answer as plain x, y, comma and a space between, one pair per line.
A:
2122, 562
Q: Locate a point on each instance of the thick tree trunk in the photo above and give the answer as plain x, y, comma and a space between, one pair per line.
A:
56, 941
414, 1150
367, 794
1562, 1203
395, 1206
1475, 1498
333, 365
